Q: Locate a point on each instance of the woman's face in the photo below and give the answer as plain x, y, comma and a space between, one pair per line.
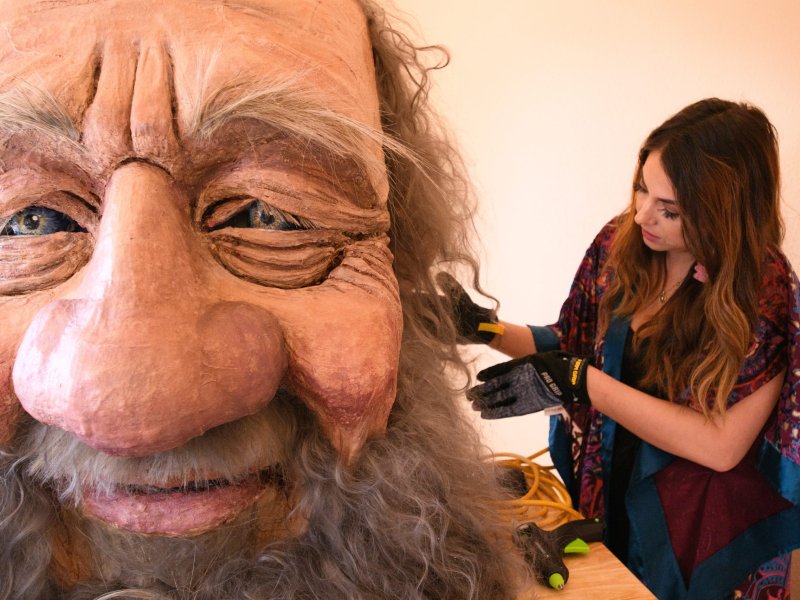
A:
657, 211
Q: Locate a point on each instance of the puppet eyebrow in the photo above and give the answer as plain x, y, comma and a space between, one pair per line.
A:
285, 105
293, 111
289, 109
31, 109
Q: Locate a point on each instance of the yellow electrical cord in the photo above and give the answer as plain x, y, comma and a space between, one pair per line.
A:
546, 502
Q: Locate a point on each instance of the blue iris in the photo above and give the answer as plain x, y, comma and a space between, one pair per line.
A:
259, 215
39, 220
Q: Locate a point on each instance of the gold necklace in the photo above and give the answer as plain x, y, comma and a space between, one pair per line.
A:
662, 297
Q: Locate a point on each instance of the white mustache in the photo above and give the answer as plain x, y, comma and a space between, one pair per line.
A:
257, 444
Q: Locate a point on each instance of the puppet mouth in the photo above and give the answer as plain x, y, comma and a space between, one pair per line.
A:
181, 511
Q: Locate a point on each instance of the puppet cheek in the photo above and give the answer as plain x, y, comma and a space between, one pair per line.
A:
344, 366
12, 333
10, 410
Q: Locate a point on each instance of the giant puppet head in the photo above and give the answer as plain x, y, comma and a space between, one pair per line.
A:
205, 386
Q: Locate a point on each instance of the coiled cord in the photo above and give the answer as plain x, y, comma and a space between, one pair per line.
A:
546, 500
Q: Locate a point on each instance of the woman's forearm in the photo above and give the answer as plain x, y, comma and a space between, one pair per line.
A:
516, 341
719, 442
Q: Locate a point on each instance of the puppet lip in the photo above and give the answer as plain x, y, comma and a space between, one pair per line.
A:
180, 511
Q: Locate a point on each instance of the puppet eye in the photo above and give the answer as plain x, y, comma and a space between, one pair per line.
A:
39, 220
258, 215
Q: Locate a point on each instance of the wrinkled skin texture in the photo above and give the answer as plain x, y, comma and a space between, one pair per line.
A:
155, 306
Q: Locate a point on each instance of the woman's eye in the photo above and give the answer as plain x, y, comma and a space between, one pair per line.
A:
258, 215
39, 220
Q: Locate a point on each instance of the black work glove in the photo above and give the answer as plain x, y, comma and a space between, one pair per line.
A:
530, 384
473, 322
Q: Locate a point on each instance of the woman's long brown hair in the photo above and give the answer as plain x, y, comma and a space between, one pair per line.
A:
722, 160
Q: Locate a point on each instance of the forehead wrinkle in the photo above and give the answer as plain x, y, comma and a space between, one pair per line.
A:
106, 127
152, 115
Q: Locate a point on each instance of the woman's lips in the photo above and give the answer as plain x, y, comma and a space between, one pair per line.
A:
649, 237
177, 512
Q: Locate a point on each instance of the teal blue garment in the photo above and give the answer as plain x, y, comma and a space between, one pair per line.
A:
651, 554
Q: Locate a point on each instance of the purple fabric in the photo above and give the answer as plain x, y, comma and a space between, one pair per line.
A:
724, 505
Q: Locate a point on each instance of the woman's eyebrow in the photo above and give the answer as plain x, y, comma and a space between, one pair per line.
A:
669, 201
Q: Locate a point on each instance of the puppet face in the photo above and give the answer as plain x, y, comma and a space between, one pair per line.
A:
183, 239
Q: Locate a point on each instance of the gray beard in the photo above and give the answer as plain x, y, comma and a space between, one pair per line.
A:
414, 517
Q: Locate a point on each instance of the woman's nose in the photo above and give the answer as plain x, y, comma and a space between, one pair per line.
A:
644, 211
147, 356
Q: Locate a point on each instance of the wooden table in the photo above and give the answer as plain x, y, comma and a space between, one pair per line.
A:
597, 574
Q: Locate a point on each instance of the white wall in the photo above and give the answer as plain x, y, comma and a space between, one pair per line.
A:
550, 101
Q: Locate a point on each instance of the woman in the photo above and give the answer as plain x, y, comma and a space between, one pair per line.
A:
686, 298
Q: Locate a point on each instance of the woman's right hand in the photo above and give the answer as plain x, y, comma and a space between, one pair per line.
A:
530, 384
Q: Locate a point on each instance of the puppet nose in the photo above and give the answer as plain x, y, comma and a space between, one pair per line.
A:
146, 357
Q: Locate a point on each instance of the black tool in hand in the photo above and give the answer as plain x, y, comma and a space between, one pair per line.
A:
544, 550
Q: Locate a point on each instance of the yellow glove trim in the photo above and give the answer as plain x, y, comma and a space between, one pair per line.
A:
496, 328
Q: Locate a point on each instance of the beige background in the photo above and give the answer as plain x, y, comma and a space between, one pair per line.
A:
550, 101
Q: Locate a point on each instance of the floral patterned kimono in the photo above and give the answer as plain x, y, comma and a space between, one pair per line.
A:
694, 533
